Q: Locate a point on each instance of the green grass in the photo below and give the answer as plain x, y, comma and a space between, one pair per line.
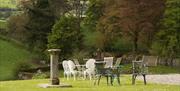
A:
81, 85
164, 70
8, 3
3, 24
11, 56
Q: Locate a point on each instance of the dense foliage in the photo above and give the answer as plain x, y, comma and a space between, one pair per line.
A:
167, 42
65, 35
116, 26
135, 20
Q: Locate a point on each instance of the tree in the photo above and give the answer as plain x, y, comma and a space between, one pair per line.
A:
74, 15
16, 29
131, 18
65, 36
93, 14
58, 7
42, 15
92, 38
108, 24
168, 38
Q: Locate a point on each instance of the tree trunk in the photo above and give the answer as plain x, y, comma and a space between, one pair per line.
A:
135, 44
171, 62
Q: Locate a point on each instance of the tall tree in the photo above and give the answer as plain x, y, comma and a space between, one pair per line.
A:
78, 9
65, 36
93, 14
58, 7
134, 17
167, 42
42, 15
16, 29
92, 38
66, 33
40, 22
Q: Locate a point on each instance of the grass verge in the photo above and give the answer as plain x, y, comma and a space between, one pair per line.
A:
86, 85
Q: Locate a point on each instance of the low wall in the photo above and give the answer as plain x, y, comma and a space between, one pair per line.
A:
175, 62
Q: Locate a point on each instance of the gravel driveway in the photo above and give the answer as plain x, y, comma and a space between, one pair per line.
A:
173, 79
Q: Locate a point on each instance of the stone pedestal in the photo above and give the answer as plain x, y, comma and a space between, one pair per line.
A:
54, 73
54, 57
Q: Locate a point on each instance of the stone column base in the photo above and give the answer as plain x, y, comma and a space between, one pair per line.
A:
54, 86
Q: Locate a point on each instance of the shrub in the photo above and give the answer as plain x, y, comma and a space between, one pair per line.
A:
65, 35
40, 76
80, 55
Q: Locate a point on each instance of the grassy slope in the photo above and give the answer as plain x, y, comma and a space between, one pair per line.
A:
81, 85
7, 3
10, 57
3, 24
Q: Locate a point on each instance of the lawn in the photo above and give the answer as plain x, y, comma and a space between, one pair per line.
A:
86, 85
164, 70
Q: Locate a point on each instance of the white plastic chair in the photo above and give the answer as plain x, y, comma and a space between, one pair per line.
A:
72, 67
66, 69
108, 62
90, 71
80, 68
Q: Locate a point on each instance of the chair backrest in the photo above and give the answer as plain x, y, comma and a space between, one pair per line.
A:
118, 61
65, 65
140, 66
77, 63
108, 62
90, 64
71, 65
150, 60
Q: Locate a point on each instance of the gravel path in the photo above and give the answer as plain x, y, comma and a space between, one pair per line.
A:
173, 79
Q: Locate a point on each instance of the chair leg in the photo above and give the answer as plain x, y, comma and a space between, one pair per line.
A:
74, 74
118, 79
84, 75
64, 75
107, 80
99, 79
144, 76
96, 78
90, 77
112, 80
67, 76
134, 79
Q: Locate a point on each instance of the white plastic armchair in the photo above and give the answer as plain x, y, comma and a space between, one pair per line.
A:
72, 67
66, 69
108, 62
90, 71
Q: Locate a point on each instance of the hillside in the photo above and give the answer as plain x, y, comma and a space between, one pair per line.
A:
11, 57
3, 24
8, 3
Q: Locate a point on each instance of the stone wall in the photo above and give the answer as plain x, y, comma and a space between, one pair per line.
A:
175, 62
150, 60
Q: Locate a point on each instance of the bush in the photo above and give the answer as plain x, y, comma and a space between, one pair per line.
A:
80, 55
24, 66
40, 76
65, 35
